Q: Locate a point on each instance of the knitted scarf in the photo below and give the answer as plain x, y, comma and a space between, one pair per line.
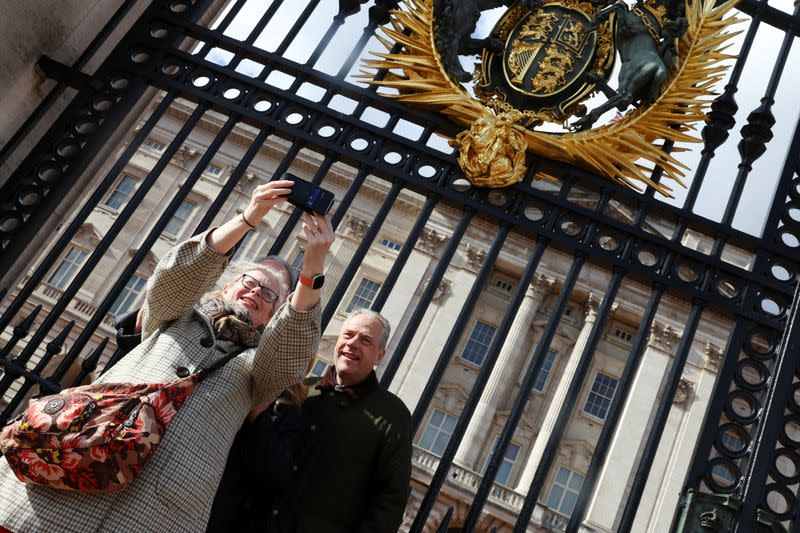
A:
231, 322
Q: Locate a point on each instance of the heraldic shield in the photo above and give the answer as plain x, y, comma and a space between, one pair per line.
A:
546, 57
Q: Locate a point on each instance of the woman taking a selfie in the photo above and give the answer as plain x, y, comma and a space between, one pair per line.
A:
185, 329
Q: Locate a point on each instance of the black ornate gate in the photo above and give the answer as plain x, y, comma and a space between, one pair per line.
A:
747, 486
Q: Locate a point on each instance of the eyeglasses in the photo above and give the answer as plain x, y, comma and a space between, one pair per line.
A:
250, 283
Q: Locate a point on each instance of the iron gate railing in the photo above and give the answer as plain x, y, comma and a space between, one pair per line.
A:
174, 49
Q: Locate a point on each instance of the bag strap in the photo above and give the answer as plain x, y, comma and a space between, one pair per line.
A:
204, 373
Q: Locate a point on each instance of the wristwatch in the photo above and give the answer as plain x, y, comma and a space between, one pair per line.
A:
315, 282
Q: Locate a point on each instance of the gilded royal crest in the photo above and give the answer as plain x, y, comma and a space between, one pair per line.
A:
542, 67
548, 64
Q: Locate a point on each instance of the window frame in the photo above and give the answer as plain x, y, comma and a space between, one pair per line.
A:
565, 488
122, 295
435, 439
64, 283
551, 357
183, 225
351, 306
473, 342
591, 392
512, 463
127, 199
148, 144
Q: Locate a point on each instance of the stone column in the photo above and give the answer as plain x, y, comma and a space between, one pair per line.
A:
631, 430
675, 450
502, 374
557, 401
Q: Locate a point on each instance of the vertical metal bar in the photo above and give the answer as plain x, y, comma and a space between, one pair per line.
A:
87, 209
234, 178
405, 252
20, 332
422, 306
360, 253
764, 440
149, 240
446, 460
571, 398
349, 196
721, 118
632, 364
538, 357
473, 514
654, 437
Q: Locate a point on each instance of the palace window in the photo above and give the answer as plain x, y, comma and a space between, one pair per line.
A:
154, 145
509, 458
437, 433
364, 295
599, 399
565, 490
129, 295
503, 285
623, 335
544, 371
213, 170
179, 219
70, 264
391, 244
478, 342
122, 193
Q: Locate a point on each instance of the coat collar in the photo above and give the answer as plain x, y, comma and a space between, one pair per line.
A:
359, 390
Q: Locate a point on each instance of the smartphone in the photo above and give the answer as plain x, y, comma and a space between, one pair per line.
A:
307, 196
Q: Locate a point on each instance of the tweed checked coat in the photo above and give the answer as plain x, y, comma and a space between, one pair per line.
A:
176, 488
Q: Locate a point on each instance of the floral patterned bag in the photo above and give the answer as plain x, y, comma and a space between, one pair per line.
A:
94, 438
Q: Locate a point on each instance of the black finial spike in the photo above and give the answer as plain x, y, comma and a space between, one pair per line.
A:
445, 521
721, 119
23, 328
54, 346
757, 133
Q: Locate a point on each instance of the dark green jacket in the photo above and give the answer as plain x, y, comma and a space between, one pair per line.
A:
356, 462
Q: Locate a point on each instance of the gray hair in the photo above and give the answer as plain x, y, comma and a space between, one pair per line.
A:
237, 268
290, 272
387, 328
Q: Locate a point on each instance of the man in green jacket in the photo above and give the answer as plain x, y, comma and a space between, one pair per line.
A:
356, 460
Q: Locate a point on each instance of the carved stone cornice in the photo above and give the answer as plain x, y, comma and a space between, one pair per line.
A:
662, 337
475, 257
184, 154
592, 303
430, 240
683, 394
713, 357
541, 286
357, 227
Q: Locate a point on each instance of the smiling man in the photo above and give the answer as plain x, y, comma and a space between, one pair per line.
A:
356, 462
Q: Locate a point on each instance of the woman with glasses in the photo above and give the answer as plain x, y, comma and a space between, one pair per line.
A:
186, 328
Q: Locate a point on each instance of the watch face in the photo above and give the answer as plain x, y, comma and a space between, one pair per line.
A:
318, 281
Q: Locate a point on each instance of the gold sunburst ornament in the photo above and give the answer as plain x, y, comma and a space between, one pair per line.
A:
542, 62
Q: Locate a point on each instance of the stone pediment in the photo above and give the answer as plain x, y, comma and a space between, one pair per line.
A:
149, 262
451, 396
88, 234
